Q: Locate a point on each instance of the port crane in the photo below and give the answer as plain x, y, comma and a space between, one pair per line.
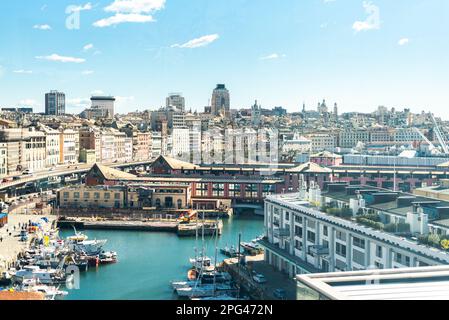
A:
440, 136
431, 145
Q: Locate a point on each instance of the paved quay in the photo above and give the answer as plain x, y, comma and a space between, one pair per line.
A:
257, 265
10, 244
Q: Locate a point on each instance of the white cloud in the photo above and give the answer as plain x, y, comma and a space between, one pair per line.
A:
21, 71
403, 41
122, 18
87, 72
199, 42
42, 27
87, 47
57, 58
372, 22
135, 6
130, 11
273, 56
87, 6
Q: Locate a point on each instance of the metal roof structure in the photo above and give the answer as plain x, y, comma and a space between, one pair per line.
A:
422, 283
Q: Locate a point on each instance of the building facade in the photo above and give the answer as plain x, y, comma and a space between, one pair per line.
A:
55, 103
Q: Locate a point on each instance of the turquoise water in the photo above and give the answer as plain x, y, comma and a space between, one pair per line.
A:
149, 261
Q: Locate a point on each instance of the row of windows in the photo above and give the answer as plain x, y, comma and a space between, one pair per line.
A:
87, 195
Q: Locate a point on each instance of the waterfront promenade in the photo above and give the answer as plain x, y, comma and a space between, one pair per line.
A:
10, 244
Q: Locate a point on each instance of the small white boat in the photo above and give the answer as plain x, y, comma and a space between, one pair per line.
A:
50, 292
183, 284
202, 264
203, 290
80, 244
49, 276
224, 297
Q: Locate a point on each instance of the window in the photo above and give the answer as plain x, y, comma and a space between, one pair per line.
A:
378, 265
218, 190
235, 190
96, 195
107, 196
358, 257
117, 196
341, 235
202, 189
311, 224
325, 231
340, 249
86, 195
298, 231
379, 252
407, 261
340, 265
66, 195
267, 190
358, 242
311, 236
298, 219
251, 191
287, 216
298, 245
76, 195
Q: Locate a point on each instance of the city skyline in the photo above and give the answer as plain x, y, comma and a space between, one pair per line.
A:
359, 54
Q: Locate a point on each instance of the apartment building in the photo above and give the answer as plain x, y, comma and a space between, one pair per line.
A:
52, 141
142, 146
406, 135
3, 159
12, 137
350, 138
34, 151
68, 146
313, 231
90, 139
322, 142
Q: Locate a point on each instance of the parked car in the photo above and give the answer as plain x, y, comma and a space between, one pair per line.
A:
260, 278
27, 172
280, 294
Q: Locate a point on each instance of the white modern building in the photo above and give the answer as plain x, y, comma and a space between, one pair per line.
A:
313, 231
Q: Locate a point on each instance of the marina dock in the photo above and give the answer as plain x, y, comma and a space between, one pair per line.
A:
174, 226
10, 244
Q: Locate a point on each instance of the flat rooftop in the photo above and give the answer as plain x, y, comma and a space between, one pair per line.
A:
385, 203
423, 283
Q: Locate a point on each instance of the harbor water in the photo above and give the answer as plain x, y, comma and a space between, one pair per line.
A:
149, 261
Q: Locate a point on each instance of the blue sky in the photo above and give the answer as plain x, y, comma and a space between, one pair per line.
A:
360, 54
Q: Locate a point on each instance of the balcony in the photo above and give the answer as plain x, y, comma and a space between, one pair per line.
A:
319, 250
281, 232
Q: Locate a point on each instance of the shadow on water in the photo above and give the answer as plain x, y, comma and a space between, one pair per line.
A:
149, 261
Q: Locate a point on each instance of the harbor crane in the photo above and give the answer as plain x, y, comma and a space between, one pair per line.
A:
431, 145
440, 136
